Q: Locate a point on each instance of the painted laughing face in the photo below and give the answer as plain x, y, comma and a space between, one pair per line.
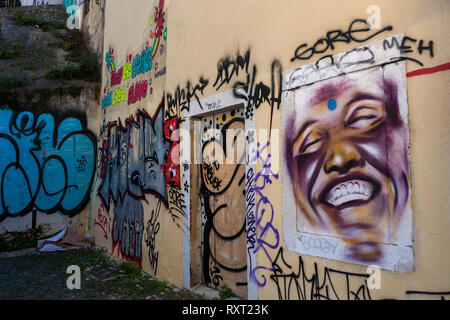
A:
346, 153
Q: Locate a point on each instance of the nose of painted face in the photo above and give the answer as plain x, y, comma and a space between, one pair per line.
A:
342, 158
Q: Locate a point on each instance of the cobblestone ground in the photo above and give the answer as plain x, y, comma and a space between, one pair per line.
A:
42, 276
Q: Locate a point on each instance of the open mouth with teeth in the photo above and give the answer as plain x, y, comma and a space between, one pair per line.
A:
350, 192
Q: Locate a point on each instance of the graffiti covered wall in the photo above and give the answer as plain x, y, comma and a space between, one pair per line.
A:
137, 203
345, 196
356, 96
47, 166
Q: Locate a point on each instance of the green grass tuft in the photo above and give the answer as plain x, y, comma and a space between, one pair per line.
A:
20, 240
43, 24
130, 269
225, 293
6, 54
68, 45
87, 69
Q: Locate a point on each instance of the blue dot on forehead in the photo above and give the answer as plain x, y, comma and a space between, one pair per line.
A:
332, 105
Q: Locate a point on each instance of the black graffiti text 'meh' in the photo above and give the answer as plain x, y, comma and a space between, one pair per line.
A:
406, 47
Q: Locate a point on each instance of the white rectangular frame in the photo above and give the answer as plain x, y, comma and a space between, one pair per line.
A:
399, 254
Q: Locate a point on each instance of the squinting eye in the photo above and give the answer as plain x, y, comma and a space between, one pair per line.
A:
361, 118
310, 144
364, 118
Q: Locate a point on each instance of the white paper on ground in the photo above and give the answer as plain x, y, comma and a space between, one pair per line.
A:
51, 247
54, 238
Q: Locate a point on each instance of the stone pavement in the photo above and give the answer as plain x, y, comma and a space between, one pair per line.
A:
31, 275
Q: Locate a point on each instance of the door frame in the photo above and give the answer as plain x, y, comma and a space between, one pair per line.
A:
190, 172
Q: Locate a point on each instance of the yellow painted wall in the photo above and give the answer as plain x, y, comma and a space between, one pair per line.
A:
128, 25
201, 33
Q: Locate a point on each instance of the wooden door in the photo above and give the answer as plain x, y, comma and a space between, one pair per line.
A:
223, 201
